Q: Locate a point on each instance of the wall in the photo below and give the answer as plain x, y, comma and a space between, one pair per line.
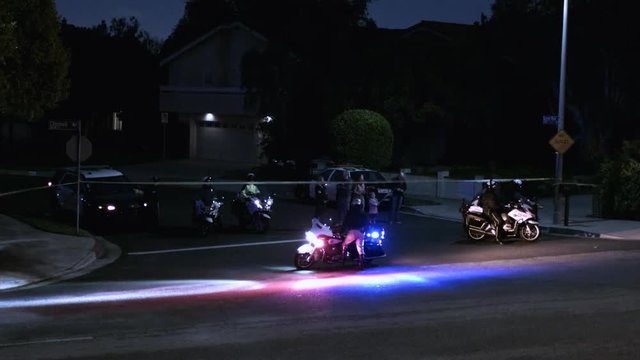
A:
441, 186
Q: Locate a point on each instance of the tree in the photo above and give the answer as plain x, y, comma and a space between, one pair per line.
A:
34, 72
362, 136
113, 70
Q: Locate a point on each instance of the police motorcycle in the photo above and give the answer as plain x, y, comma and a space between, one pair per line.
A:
519, 219
324, 245
206, 209
254, 213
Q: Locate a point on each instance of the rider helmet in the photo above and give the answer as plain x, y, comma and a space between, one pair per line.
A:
251, 176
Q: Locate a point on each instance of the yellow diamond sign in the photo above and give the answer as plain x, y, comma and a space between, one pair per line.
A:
561, 142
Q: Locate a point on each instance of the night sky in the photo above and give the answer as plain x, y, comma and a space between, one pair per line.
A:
158, 17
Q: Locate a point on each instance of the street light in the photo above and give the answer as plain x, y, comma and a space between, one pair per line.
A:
563, 75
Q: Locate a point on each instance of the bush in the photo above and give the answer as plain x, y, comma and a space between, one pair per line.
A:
620, 184
363, 137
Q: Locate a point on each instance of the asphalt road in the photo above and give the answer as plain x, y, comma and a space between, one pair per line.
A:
236, 295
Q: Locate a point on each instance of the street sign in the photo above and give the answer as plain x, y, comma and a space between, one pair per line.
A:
85, 148
164, 118
561, 142
550, 119
66, 125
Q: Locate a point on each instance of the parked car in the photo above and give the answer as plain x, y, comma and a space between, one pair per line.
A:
372, 178
106, 196
317, 166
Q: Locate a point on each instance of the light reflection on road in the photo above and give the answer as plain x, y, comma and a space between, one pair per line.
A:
384, 278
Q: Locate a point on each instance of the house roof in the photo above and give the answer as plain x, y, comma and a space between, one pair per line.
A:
206, 36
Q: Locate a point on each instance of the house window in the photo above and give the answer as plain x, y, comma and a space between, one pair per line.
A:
116, 123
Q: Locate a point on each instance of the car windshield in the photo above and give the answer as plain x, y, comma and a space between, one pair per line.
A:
369, 176
109, 185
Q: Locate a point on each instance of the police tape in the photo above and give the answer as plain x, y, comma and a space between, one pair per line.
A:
279, 182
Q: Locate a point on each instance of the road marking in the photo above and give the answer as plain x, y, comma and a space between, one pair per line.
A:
47, 341
213, 247
24, 240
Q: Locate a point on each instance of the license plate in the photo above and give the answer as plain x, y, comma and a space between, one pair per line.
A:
384, 191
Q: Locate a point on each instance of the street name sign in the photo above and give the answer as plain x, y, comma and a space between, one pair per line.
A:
63, 125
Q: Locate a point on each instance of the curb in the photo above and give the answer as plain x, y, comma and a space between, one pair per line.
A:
569, 232
552, 230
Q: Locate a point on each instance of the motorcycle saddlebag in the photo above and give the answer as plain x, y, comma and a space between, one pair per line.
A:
475, 220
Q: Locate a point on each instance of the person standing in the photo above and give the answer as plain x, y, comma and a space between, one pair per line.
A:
359, 190
492, 208
321, 199
397, 197
354, 224
373, 207
343, 197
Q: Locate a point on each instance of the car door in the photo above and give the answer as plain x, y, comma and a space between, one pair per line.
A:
312, 185
332, 185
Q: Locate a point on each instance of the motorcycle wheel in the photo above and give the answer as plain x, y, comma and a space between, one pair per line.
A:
203, 230
303, 261
475, 234
530, 232
261, 225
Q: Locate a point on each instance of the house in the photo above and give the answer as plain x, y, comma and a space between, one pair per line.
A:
204, 102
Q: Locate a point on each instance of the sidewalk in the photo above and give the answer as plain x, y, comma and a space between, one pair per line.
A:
31, 257
581, 222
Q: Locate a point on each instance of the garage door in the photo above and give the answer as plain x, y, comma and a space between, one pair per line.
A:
226, 144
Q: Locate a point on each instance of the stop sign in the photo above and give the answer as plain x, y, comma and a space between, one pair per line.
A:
72, 148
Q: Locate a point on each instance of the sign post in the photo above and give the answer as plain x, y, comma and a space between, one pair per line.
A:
561, 105
164, 119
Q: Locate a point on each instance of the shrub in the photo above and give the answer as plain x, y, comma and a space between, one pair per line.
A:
620, 183
363, 137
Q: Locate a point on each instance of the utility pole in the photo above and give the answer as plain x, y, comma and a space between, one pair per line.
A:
561, 107
79, 179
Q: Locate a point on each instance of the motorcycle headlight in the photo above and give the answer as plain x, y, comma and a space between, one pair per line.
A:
269, 201
374, 234
107, 207
257, 203
312, 238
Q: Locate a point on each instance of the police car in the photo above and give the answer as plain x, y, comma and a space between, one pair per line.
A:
105, 194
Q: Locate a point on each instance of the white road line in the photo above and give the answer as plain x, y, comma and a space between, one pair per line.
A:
47, 341
24, 240
212, 247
